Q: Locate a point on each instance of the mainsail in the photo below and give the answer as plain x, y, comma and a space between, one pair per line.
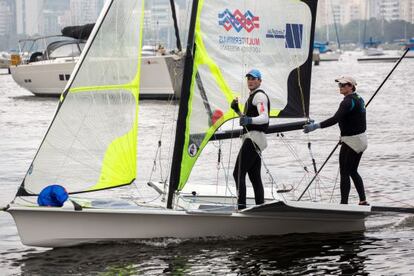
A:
92, 141
226, 39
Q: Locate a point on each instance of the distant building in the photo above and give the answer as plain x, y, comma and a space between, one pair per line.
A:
46, 17
50, 24
321, 16
343, 12
51, 13
392, 9
387, 9
339, 12
158, 24
407, 10
29, 16
7, 11
84, 11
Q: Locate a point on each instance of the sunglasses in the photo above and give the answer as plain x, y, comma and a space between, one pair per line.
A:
251, 78
340, 85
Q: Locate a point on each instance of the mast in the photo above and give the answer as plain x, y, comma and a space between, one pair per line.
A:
327, 17
177, 33
183, 109
365, 26
336, 27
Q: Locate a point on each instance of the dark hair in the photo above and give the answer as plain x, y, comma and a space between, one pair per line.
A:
353, 88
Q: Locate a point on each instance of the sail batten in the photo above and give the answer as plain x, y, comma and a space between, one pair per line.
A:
104, 87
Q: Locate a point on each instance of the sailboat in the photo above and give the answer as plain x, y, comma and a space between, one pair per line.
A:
91, 144
326, 54
371, 50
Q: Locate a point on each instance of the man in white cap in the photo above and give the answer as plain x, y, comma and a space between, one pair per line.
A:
255, 121
351, 117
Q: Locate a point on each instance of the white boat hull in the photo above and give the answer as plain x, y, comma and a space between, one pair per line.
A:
43, 78
378, 59
49, 78
5, 60
58, 227
373, 52
330, 56
4, 63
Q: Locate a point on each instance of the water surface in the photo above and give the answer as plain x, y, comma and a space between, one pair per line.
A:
387, 169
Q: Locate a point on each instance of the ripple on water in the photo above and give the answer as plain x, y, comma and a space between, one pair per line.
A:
269, 255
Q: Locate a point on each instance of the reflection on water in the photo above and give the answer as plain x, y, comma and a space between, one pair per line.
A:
286, 255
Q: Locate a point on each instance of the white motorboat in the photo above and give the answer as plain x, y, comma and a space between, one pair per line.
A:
373, 51
331, 56
46, 74
376, 55
324, 52
387, 56
91, 144
45, 77
378, 59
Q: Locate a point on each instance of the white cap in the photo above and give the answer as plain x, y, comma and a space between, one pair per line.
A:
346, 79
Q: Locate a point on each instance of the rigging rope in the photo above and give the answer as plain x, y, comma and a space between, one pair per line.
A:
158, 153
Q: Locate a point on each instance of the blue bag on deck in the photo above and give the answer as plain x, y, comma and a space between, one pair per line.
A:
53, 195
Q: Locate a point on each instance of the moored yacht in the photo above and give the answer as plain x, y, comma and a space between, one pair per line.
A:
45, 73
373, 53
325, 52
410, 45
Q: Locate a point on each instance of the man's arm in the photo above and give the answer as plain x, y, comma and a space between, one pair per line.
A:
343, 109
260, 101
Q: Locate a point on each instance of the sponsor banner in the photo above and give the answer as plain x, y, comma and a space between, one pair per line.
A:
237, 22
233, 23
292, 35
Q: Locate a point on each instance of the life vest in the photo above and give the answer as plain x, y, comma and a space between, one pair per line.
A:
250, 110
355, 120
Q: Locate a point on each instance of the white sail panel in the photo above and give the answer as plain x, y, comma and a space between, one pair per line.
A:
232, 37
270, 35
113, 58
91, 143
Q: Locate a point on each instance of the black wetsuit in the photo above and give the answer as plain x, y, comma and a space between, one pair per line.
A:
248, 160
351, 117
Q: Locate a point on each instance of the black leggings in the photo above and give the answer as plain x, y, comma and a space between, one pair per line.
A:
348, 166
248, 161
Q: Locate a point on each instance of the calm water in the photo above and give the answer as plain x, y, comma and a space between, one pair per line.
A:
386, 248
